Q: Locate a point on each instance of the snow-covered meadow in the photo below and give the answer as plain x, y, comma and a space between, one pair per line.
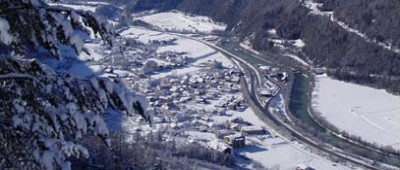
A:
178, 21
84, 7
372, 114
279, 153
199, 52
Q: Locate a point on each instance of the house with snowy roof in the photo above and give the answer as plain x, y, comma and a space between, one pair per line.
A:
235, 140
220, 146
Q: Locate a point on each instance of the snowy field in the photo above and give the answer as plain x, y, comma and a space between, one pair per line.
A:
279, 153
200, 52
179, 21
372, 114
298, 59
246, 44
76, 7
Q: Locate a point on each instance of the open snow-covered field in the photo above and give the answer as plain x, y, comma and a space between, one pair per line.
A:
178, 21
271, 152
279, 154
76, 7
200, 52
372, 114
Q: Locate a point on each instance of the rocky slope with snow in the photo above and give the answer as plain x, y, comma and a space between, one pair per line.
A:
45, 111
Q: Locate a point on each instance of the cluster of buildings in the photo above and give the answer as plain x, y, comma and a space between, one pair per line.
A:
270, 89
188, 102
234, 135
191, 101
275, 73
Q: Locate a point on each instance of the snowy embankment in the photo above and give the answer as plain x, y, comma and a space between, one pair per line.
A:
278, 153
247, 46
178, 21
298, 59
76, 6
372, 114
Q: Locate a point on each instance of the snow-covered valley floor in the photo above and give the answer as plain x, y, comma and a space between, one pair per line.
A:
178, 21
373, 115
260, 148
192, 89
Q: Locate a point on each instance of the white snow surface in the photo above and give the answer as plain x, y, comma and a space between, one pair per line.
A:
178, 21
5, 36
372, 114
247, 46
298, 59
299, 43
97, 3
200, 52
277, 152
314, 7
76, 7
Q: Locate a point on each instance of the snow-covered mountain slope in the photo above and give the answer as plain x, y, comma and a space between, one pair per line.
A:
48, 110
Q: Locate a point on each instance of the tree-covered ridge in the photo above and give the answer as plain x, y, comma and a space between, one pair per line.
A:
377, 19
36, 25
45, 114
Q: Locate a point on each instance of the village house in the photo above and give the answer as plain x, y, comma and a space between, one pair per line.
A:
150, 66
220, 147
235, 71
304, 167
235, 140
282, 76
253, 130
267, 93
240, 121
265, 69
220, 134
319, 71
